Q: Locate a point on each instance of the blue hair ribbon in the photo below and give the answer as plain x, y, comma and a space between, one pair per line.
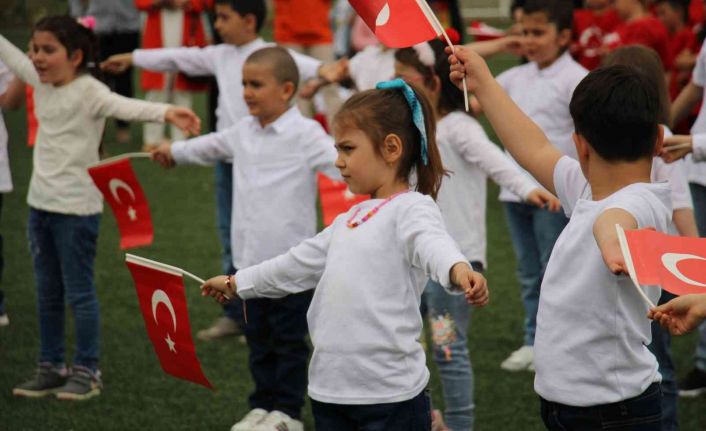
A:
415, 106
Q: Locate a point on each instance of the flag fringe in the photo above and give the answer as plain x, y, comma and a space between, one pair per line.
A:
630, 264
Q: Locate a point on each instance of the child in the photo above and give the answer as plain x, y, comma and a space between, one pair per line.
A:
470, 157
593, 369
597, 19
6, 78
542, 88
65, 206
369, 268
276, 154
238, 23
674, 14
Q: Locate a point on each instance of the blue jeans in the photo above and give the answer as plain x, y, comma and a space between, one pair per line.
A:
63, 250
533, 232
2, 267
450, 316
641, 413
661, 347
224, 209
410, 415
698, 195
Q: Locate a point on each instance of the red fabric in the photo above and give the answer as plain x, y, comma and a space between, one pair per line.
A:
192, 35
120, 188
163, 306
588, 33
648, 31
696, 12
402, 22
677, 264
302, 22
32, 123
336, 198
679, 42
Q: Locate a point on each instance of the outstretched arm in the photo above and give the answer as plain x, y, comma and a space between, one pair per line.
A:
607, 237
682, 314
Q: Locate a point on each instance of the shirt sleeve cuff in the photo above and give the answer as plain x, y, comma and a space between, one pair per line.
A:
445, 278
699, 147
245, 284
178, 149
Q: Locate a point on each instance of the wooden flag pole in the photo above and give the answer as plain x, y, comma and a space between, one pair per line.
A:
677, 146
630, 264
123, 156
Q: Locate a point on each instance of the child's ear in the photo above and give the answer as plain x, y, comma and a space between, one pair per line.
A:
76, 58
251, 22
660, 140
288, 90
581, 145
564, 37
392, 148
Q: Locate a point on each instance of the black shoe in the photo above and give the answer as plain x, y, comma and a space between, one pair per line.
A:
694, 384
45, 382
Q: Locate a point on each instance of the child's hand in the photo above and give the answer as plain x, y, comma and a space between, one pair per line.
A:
334, 72
117, 63
543, 199
163, 155
222, 288
472, 283
466, 62
185, 119
681, 314
676, 147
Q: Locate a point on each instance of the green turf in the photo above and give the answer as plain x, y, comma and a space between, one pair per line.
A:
138, 395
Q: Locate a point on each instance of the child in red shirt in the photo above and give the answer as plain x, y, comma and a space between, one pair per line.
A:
591, 24
682, 41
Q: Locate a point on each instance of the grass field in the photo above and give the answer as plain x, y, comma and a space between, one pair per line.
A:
138, 395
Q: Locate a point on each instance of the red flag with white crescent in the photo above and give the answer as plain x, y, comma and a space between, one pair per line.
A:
336, 198
398, 23
120, 188
677, 264
160, 291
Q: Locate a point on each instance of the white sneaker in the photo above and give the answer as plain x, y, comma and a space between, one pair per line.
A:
519, 360
250, 420
4, 320
278, 421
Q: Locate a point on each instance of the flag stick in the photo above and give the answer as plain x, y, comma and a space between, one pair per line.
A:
123, 156
677, 146
630, 264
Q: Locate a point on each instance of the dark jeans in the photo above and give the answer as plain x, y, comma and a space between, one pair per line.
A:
63, 250
117, 43
276, 334
2, 267
410, 415
661, 347
641, 413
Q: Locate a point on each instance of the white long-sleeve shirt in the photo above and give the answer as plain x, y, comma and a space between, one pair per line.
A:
225, 63
471, 157
697, 171
71, 122
274, 180
364, 318
699, 148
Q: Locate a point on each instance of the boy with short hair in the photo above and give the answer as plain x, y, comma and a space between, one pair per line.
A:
542, 88
592, 331
276, 153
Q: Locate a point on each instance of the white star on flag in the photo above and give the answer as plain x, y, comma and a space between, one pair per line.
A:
170, 343
132, 213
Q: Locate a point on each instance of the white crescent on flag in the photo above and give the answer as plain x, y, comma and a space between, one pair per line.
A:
671, 260
160, 297
116, 184
383, 16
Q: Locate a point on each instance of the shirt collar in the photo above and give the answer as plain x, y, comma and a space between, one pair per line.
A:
282, 123
252, 44
557, 66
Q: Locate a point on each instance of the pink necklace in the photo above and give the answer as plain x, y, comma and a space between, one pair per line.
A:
354, 224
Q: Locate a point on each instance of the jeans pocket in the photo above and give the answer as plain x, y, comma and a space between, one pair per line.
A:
643, 410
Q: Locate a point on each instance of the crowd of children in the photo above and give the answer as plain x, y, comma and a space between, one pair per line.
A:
583, 121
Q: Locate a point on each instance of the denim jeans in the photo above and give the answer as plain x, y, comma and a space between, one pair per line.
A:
2, 267
661, 347
641, 413
410, 415
533, 232
63, 250
450, 316
698, 195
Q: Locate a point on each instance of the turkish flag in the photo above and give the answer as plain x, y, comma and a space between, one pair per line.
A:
398, 23
160, 291
677, 264
336, 198
117, 182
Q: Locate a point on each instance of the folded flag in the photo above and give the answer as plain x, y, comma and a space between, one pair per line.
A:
399, 23
160, 291
336, 198
120, 188
482, 31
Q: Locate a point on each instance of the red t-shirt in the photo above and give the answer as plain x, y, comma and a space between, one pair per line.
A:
589, 30
302, 22
647, 31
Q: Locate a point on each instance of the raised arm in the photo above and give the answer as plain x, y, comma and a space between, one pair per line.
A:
520, 135
193, 61
204, 150
18, 62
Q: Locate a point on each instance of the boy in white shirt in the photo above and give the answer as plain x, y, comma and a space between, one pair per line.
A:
542, 89
592, 330
276, 154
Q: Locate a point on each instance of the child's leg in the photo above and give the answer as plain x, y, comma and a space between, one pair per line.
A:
75, 238
2, 266
289, 329
153, 133
661, 347
262, 360
50, 288
332, 417
410, 415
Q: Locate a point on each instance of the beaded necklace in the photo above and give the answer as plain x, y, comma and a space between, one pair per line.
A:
354, 224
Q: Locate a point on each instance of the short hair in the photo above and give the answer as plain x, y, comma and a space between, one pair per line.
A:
257, 8
558, 12
284, 68
678, 5
616, 108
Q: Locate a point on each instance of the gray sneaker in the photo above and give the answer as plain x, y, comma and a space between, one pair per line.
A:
46, 381
81, 385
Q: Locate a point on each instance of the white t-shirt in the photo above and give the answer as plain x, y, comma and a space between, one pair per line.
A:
697, 171
592, 329
544, 96
676, 174
5, 177
699, 148
373, 64
364, 319
470, 157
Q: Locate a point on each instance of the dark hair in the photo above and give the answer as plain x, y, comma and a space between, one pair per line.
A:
74, 37
681, 6
378, 113
648, 62
616, 108
450, 97
558, 12
257, 8
284, 68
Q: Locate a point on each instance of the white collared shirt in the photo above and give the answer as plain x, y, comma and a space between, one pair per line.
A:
699, 147
274, 180
697, 171
544, 96
225, 62
373, 64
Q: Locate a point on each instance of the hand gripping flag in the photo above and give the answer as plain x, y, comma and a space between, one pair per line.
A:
336, 198
117, 182
160, 291
398, 23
